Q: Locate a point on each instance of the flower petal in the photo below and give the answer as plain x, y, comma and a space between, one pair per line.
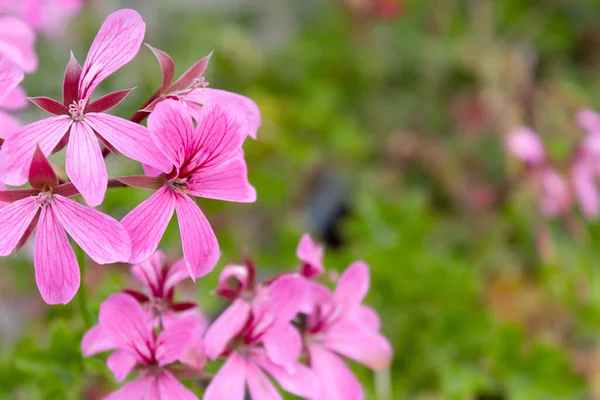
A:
584, 185
226, 327
85, 164
311, 254
227, 181
10, 77
336, 381
102, 237
131, 139
354, 284
147, 223
283, 345
177, 338
9, 125
17, 216
17, 43
525, 144
17, 151
177, 273
200, 247
117, 43
150, 272
123, 319
167, 67
285, 298
242, 103
172, 131
56, 269
141, 388
299, 380
228, 383
171, 389
121, 363
95, 341
259, 385
220, 133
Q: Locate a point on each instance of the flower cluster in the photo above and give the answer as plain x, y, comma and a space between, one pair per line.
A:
290, 328
192, 147
558, 191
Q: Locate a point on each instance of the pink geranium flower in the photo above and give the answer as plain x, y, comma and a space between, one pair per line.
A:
125, 327
206, 162
258, 338
342, 324
311, 255
191, 90
83, 123
160, 278
17, 43
48, 16
47, 207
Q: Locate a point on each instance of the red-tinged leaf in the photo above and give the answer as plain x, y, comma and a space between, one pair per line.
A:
28, 231
143, 182
66, 190
9, 196
182, 306
41, 173
150, 107
71, 81
167, 66
109, 101
187, 79
140, 297
49, 105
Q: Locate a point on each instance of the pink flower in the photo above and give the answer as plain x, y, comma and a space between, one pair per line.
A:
124, 326
47, 207
311, 255
206, 162
342, 324
17, 43
585, 166
83, 123
257, 340
160, 278
191, 90
48, 16
524, 144
10, 77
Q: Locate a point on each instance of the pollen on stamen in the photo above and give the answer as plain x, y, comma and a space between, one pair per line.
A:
44, 199
76, 110
178, 185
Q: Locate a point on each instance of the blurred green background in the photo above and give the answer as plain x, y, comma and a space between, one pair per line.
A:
382, 136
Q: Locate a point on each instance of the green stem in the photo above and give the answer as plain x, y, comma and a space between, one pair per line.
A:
81, 295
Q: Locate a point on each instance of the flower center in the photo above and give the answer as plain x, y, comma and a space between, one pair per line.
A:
76, 110
44, 199
178, 185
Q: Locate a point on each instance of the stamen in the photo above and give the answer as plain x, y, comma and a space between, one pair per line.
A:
44, 199
77, 110
179, 185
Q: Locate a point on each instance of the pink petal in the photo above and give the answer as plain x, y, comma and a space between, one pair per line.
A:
71, 81
131, 139
311, 254
9, 125
336, 381
102, 237
167, 67
228, 383
17, 216
190, 77
353, 340
17, 41
16, 99
584, 185
233, 272
177, 338
121, 363
286, 296
56, 269
243, 104
200, 247
147, 223
10, 77
172, 131
354, 284
49, 105
555, 196
226, 327
117, 43
588, 120
220, 133
141, 388
85, 164
108, 101
150, 272
177, 273
17, 151
283, 345
123, 319
259, 385
524, 144
171, 389
368, 317
299, 380
95, 341
227, 181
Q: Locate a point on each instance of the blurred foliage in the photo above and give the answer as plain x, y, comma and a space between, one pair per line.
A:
384, 139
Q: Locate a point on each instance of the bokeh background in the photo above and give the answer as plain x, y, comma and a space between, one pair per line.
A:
383, 127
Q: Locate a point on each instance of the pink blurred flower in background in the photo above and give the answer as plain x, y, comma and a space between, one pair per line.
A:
47, 16
259, 339
126, 328
83, 124
10, 77
341, 324
207, 161
585, 166
311, 255
553, 191
47, 207
17, 43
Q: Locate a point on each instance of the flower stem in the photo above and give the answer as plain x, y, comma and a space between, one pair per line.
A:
81, 295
